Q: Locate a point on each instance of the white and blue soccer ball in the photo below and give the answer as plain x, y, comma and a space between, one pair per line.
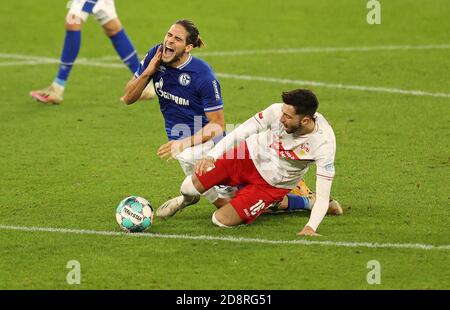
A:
134, 214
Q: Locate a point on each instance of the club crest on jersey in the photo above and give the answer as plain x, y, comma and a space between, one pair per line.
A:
216, 90
305, 147
184, 79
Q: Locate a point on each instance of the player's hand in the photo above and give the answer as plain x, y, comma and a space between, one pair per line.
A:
171, 149
204, 165
308, 231
155, 62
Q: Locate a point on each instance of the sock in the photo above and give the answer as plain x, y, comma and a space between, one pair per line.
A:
187, 188
296, 202
59, 84
72, 43
58, 88
126, 50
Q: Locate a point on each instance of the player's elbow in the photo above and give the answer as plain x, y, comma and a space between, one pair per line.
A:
216, 120
127, 99
222, 125
216, 129
218, 125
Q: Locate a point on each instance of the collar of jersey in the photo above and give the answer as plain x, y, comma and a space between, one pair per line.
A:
185, 63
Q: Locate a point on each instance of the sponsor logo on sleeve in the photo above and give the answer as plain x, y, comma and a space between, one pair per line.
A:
216, 89
143, 60
329, 168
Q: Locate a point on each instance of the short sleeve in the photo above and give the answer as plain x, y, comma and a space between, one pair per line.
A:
210, 94
268, 116
325, 162
144, 63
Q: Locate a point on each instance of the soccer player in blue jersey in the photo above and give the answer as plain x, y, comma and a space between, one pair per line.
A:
104, 12
191, 103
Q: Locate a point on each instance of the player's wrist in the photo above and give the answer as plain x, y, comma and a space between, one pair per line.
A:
309, 228
210, 158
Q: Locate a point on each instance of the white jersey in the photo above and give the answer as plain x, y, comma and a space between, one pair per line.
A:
281, 158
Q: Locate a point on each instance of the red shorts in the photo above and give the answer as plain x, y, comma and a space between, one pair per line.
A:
236, 168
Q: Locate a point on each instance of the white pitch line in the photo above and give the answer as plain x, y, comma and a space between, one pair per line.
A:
37, 60
24, 62
414, 246
301, 50
309, 50
323, 50
86, 62
26, 57
100, 64
333, 85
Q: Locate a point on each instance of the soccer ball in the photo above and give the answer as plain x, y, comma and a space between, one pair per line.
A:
134, 214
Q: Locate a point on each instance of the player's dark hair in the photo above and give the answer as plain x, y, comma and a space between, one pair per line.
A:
303, 100
193, 33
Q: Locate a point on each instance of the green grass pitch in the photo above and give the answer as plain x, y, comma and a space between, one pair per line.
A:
68, 166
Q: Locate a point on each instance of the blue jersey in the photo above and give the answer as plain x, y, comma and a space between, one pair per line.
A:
185, 94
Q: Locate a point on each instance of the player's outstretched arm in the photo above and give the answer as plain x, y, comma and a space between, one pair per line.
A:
260, 121
323, 190
214, 128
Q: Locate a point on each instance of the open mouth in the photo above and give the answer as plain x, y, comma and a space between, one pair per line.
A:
168, 52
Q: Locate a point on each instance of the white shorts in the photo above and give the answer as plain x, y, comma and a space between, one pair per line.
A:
189, 157
103, 10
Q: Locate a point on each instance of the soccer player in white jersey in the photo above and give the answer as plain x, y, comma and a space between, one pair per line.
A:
274, 149
104, 12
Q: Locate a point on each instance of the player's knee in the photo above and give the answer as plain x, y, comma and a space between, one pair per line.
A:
188, 188
218, 222
226, 216
112, 27
73, 22
110, 32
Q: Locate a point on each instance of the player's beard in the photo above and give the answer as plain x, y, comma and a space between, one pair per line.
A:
174, 59
294, 130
